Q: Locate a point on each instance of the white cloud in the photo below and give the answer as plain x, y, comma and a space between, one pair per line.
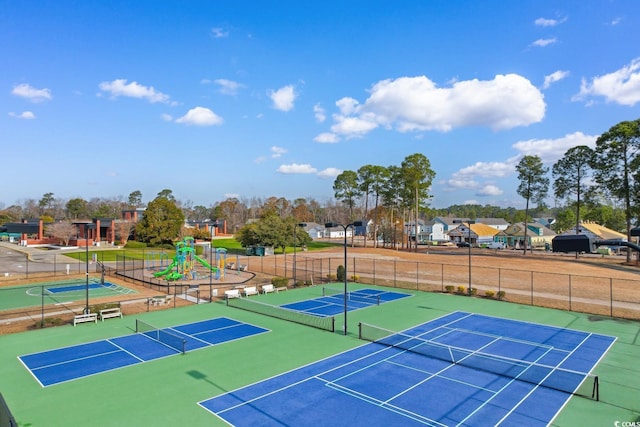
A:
544, 42
295, 168
551, 150
615, 21
554, 77
231, 196
27, 91
544, 22
283, 98
486, 170
277, 152
471, 202
353, 126
621, 86
329, 173
200, 116
319, 113
327, 138
489, 190
228, 87
417, 104
120, 87
26, 115
167, 117
218, 33
458, 182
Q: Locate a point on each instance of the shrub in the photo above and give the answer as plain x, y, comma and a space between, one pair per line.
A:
340, 273
461, 290
332, 277
489, 294
472, 291
299, 283
279, 282
501, 294
449, 288
355, 278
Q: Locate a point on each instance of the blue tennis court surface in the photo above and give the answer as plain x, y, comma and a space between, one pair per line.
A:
411, 384
70, 363
333, 304
73, 288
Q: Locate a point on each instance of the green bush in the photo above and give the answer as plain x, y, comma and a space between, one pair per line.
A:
489, 294
279, 282
340, 273
473, 291
501, 294
132, 244
449, 288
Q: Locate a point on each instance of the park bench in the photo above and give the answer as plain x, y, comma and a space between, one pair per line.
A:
250, 290
268, 288
82, 318
281, 288
232, 293
108, 313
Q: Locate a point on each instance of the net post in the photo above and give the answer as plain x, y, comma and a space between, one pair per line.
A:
596, 389
359, 330
333, 324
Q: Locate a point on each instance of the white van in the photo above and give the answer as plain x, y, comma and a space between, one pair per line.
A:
496, 245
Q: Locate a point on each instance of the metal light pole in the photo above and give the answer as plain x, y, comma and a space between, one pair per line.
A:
344, 227
469, 238
86, 256
294, 250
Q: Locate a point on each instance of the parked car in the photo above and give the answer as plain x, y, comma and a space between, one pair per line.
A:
463, 244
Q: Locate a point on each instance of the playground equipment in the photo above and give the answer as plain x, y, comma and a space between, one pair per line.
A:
183, 265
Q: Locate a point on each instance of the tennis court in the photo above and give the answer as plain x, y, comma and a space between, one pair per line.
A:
57, 292
148, 343
301, 375
460, 369
333, 301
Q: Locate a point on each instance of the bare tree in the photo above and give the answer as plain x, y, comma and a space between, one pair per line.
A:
62, 231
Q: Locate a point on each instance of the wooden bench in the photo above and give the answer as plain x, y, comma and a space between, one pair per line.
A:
82, 318
268, 288
108, 313
232, 293
250, 290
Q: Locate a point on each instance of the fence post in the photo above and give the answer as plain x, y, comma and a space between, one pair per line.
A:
532, 288
417, 273
611, 294
570, 276
395, 284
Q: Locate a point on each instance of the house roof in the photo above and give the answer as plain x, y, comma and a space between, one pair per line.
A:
492, 221
602, 232
517, 229
483, 230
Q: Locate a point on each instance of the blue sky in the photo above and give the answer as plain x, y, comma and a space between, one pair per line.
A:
217, 99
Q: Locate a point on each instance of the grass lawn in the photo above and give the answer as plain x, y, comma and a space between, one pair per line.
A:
232, 245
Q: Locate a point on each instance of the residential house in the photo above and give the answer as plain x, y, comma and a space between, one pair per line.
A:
476, 234
538, 236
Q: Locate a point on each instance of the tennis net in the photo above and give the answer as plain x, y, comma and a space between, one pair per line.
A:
351, 296
174, 341
326, 323
553, 377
